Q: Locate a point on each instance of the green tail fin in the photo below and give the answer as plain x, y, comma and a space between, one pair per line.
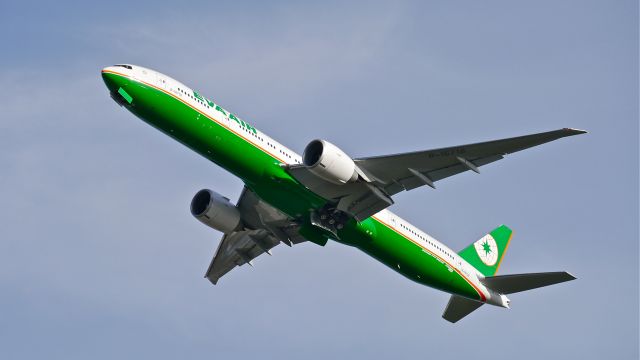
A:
486, 254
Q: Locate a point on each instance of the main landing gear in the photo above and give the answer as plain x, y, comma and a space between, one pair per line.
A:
329, 219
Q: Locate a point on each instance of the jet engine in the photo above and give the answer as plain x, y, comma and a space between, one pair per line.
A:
215, 211
327, 161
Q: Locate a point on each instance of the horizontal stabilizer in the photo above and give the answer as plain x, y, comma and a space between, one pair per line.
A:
459, 307
509, 284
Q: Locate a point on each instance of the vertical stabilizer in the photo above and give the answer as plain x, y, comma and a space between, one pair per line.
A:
486, 254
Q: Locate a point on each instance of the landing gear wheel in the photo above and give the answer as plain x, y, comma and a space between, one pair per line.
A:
329, 219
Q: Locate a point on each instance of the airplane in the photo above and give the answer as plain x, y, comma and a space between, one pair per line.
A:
325, 194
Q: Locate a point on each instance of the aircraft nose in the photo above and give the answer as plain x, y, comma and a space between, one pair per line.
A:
116, 80
110, 79
110, 74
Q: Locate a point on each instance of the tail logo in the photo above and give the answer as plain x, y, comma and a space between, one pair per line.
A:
487, 250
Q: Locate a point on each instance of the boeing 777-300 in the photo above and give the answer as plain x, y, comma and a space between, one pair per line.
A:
325, 194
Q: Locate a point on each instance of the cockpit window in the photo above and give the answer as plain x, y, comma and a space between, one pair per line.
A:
124, 66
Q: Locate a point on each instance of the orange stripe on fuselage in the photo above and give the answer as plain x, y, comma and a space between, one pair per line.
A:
482, 296
199, 112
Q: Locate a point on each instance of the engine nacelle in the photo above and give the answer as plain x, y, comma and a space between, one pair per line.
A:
215, 211
329, 162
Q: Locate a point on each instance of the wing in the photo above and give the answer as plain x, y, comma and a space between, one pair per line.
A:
264, 227
380, 177
407, 171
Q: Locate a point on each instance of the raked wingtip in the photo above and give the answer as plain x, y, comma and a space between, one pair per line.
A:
575, 131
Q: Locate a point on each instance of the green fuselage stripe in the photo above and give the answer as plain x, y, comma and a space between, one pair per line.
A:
262, 172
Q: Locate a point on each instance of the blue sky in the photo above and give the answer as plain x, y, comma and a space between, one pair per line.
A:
100, 258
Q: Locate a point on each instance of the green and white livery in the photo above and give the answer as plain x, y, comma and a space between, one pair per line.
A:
325, 194
487, 250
